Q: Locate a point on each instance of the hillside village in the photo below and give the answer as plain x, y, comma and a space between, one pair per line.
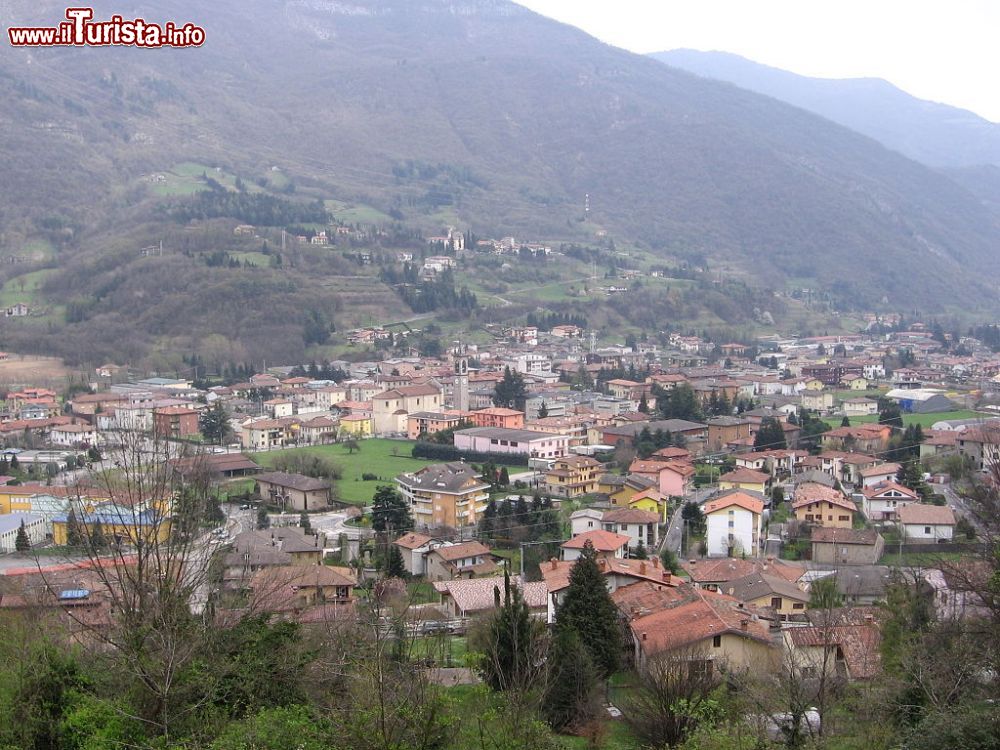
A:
716, 488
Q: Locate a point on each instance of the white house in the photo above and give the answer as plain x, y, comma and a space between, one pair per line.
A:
414, 548
640, 526
71, 435
883, 501
606, 544
734, 524
584, 520
34, 527
860, 407
926, 522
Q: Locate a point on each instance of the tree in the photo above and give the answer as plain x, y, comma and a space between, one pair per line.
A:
511, 392
770, 435
504, 478
845, 422
571, 695
395, 566
823, 594
263, 520
304, 523
97, 540
543, 411
643, 404
588, 609
512, 648
74, 534
889, 412
672, 699
693, 516
679, 402
352, 446
21, 541
214, 423
669, 559
390, 511
639, 553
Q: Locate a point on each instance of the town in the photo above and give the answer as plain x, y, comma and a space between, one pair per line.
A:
747, 509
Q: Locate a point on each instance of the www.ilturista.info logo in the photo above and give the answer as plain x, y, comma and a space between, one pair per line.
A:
80, 30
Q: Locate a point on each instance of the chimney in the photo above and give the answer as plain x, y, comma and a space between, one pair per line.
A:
656, 561
667, 578
642, 568
744, 625
643, 636
553, 564
692, 561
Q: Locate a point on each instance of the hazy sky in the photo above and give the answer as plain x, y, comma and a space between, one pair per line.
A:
943, 50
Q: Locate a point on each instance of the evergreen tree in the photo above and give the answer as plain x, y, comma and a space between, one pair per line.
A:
304, 522
395, 565
487, 524
74, 534
510, 653
21, 542
845, 422
504, 479
14, 463
588, 609
510, 392
543, 410
644, 404
572, 686
770, 435
97, 538
639, 553
889, 412
214, 423
263, 520
390, 511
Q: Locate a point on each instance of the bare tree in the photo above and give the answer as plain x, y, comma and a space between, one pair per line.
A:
144, 545
673, 697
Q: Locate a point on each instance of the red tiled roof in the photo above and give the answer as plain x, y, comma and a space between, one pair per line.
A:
603, 541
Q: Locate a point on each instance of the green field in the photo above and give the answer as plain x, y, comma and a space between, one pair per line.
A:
355, 213
23, 288
384, 458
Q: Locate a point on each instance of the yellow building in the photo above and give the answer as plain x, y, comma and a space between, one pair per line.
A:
745, 479
823, 506
357, 426
450, 494
650, 500
621, 489
117, 524
573, 476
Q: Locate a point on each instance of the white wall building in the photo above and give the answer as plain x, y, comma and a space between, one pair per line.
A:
734, 524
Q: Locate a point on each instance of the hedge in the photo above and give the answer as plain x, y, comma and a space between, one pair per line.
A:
438, 452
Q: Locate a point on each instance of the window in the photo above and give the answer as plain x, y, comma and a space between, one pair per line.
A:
798, 605
927, 529
843, 518
776, 602
717, 641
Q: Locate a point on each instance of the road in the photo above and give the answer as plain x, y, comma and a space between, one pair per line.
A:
238, 520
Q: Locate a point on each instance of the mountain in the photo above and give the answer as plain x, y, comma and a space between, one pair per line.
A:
476, 113
934, 134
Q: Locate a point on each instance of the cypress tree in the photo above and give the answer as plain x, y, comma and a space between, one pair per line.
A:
74, 536
395, 565
587, 608
570, 694
21, 542
509, 661
97, 540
